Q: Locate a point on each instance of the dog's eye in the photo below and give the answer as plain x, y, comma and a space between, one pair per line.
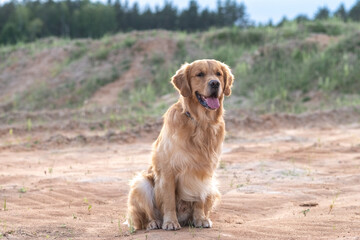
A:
218, 73
200, 74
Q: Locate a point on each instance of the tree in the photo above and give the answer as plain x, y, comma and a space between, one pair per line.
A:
301, 18
34, 29
166, 17
51, 15
323, 13
147, 19
220, 14
27, 20
6, 11
283, 21
241, 18
354, 13
341, 13
133, 17
119, 16
10, 34
65, 19
207, 19
231, 13
189, 18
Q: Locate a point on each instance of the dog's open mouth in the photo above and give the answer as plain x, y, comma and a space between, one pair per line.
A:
211, 102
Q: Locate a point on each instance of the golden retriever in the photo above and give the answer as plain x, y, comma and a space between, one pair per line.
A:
180, 188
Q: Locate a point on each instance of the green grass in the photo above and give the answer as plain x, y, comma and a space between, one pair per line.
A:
131, 226
29, 124
129, 42
101, 54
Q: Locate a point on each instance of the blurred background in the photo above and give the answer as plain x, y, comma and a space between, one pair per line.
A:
112, 60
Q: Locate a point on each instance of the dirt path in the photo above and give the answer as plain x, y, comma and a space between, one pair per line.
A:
81, 192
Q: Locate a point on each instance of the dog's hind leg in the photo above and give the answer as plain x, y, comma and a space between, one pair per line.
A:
142, 212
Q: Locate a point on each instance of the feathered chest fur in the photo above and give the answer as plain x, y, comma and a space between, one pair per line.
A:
192, 148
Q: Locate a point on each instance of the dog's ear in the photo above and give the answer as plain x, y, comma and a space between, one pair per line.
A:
228, 77
181, 82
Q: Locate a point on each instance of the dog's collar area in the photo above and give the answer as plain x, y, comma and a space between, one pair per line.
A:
189, 115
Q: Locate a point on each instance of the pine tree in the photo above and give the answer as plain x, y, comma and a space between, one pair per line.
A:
301, 18
283, 21
189, 18
323, 13
341, 13
354, 13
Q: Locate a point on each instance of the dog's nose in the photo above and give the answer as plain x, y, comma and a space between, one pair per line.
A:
214, 84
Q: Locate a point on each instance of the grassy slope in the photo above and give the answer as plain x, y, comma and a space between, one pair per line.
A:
284, 69
277, 69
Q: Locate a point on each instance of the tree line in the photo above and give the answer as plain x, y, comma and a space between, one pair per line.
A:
29, 20
324, 13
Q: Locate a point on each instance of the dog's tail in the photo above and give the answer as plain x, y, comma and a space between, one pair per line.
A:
141, 201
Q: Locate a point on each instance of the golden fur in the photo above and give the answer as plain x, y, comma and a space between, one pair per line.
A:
180, 188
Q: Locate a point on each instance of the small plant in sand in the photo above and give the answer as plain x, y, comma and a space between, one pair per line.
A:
222, 165
319, 142
232, 183
22, 190
192, 229
219, 236
125, 226
29, 124
63, 226
305, 211
333, 203
119, 227
89, 205
5, 205
131, 227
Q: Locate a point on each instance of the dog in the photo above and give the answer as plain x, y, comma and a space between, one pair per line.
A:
180, 188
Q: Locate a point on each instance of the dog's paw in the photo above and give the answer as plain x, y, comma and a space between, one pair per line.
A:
202, 223
171, 225
154, 224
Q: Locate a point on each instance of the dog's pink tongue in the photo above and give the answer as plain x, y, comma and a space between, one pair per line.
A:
213, 102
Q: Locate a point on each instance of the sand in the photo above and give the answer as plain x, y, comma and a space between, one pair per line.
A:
291, 183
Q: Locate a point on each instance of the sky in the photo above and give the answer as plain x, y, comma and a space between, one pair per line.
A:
260, 11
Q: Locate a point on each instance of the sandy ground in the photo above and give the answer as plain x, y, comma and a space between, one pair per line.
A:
299, 183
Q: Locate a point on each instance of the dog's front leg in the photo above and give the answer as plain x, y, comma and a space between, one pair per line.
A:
166, 191
199, 218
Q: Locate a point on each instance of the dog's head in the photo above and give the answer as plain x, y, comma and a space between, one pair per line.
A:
204, 80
